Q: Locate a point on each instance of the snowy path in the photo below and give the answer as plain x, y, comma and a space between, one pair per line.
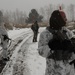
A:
29, 62
25, 60
35, 63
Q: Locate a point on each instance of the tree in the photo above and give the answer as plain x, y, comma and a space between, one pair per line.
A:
1, 17
49, 11
72, 11
42, 12
34, 16
6, 17
16, 17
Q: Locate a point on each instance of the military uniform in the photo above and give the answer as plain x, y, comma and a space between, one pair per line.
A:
35, 28
4, 41
58, 67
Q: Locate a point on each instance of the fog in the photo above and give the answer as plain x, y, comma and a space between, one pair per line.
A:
27, 5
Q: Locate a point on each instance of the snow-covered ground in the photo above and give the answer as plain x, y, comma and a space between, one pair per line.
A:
25, 59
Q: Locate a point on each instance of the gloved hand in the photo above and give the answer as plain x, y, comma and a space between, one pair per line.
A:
6, 37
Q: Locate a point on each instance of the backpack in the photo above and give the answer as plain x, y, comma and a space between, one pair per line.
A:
58, 47
35, 27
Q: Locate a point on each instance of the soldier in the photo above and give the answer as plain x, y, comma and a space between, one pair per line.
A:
4, 39
35, 28
50, 46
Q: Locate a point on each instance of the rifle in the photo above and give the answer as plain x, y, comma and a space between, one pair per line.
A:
72, 62
6, 37
73, 50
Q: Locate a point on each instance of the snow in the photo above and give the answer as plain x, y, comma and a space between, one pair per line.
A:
36, 63
25, 59
16, 33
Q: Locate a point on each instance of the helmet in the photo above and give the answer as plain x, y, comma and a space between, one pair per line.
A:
57, 19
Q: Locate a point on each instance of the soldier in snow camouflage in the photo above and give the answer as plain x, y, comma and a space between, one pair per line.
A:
49, 41
4, 39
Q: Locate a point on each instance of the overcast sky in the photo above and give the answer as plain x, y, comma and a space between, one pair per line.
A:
27, 5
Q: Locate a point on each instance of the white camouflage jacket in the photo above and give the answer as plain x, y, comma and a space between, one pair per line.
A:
52, 67
3, 43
